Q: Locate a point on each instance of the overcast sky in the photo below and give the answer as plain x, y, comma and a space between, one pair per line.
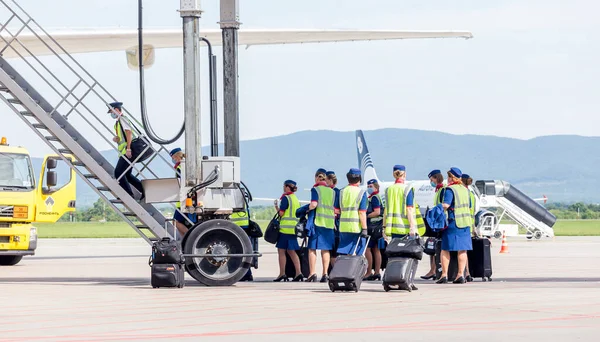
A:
531, 70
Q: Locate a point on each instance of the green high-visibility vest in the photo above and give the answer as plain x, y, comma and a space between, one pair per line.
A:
437, 200
350, 197
122, 147
395, 210
419, 220
380, 217
472, 195
462, 210
324, 214
288, 221
241, 218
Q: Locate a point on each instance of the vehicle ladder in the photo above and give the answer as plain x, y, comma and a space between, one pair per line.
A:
61, 111
523, 218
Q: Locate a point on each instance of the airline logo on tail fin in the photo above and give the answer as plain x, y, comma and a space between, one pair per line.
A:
364, 158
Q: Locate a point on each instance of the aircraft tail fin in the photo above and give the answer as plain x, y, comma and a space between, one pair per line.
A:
364, 158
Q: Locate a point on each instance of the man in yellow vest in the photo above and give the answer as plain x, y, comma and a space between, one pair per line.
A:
352, 204
124, 136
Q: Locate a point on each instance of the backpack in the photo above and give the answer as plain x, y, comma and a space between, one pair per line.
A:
166, 251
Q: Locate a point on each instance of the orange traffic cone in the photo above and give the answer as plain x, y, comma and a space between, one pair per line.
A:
504, 247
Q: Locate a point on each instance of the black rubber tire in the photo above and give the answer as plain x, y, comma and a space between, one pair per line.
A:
10, 260
221, 230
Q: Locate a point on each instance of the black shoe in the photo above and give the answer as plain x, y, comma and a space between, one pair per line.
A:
324, 278
469, 279
280, 278
299, 277
312, 278
460, 280
376, 277
413, 287
442, 280
427, 278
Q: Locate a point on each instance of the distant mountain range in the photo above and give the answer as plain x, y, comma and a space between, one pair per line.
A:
564, 168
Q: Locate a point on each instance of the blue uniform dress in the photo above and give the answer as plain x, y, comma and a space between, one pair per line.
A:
454, 238
373, 204
410, 201
323, 238
348, 241
286, 241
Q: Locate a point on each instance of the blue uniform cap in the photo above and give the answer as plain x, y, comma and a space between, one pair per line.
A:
456, 172
372, 181
354, 171
115, 105
433, 173
329, 173
399, 168
464, 175
321, 170
175, 150
289, 182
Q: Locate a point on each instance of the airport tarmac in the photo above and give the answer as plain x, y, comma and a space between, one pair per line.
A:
99, 290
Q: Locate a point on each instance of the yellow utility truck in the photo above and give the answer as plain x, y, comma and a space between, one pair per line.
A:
24, 201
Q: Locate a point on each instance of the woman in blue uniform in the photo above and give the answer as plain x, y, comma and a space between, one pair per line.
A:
287, 241
332, 182
457, 236
352, 206
436, 180
181, 223
375, 220
321, 200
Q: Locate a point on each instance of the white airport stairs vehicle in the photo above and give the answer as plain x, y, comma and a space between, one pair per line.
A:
534, 227
61, 110
526, 212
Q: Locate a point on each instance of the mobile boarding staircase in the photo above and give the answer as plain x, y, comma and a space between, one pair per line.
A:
527, 213
63, 106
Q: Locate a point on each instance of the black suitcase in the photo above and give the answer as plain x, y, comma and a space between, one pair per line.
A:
480, 259
167, 275
348, 272
290, 270
167, 251
405, 247
400, 272
452, 267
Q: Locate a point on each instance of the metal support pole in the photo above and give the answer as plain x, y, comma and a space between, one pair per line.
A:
190, 12
229, 26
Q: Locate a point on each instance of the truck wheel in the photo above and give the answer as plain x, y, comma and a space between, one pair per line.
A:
9, 260
217, 237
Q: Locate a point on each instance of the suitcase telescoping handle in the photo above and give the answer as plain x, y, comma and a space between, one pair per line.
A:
358, 243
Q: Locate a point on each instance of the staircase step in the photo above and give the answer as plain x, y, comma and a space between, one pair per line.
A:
129, 213
4, 89
51, 138
39, 126
102, 188
15, 101
115, 201
26, 113
78, 163
65, 150
90, 176
142, 226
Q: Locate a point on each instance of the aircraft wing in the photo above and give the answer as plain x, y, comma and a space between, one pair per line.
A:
122, 39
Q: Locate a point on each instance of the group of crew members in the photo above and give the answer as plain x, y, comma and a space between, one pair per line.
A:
342, 218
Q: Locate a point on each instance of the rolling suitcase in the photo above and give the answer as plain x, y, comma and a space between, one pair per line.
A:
480, 259
348, 272
452, 267
167, 275
400, 272
290, 270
